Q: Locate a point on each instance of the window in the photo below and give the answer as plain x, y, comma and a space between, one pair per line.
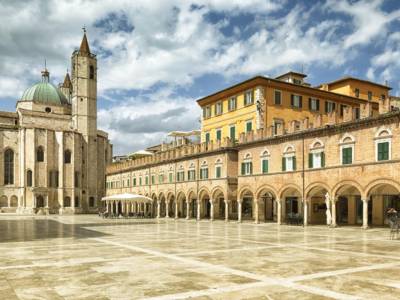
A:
277, 124
204, 173
207, 112
92, 202
316, 160
356, 112
383, 97
207, 137
369, 96
357, 93
264, 165
40, 154
9, 167
134, 181
67, 157
218, 108
218, 170
342, 108
77, 202
248, 126
67, 202
277, 97
29, 178
153, 179
91, 72
140, 181
192, 175
347, 155
76, 179
313, 104
247, 165
218, 133
289, 159
382, 151
330, 106
161, 178
180, 176
296, 101
146, 180
170, 177
232, 133
248, 98
232, 103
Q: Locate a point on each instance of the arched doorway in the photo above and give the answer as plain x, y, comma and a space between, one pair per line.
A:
182, 208
291, 205
267, 205
247, 205
219, 204
349, 207
205, 205
317, 204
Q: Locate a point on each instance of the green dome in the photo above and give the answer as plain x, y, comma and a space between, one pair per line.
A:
46, 93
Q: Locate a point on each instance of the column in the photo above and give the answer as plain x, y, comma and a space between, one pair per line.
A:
167, 209
187, 210
226, 210
278, 211
116, 208
158, 208
305, 214
198, 210
239, 210
365, 213
122, 207
176, 209
334, 200
256, 217
211, 210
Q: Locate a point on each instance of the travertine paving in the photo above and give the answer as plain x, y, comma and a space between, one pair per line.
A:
86, 257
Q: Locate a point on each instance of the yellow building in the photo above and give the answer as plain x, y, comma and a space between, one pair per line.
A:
273, 103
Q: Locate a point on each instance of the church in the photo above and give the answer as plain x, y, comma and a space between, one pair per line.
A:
53, 157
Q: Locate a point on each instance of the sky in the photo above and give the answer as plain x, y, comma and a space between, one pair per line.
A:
156, 58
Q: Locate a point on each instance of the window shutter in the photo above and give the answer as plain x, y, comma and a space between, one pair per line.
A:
251, 167
265, 166
380, 151
318, 104
283, 164
309, 104
300, 101
334, 106
322, 159
326, 106
292, 100
243, 168
310, 160
294, 163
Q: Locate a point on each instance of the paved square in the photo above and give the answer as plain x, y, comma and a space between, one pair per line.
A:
85, 257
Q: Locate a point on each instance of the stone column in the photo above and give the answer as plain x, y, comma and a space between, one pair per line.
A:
167, 209
239, 210
211, 210
305, 214
158, 209
278, 211
122, 207
116, 207
256, 214
198, 209
187, 209
226, 210
334, 200
176, 209
365, 213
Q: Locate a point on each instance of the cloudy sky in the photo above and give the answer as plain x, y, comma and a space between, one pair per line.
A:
155, 58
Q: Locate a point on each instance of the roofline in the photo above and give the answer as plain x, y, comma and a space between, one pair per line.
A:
357, 79
268, 79
292, 72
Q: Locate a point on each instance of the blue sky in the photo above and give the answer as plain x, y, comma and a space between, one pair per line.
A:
155, 58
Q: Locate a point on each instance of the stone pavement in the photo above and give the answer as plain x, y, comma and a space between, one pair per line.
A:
86, 257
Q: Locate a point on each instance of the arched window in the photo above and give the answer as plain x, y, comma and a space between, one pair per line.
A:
218, 168
204, 170
247, 165
316, 156
91, 72
67, 157
29, 178
40, 154
289, 159
383, 144
9, 166
264, 161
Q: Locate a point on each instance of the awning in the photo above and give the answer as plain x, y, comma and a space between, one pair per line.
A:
128, 197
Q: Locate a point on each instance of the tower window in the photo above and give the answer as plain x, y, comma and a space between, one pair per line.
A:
29, 178
91, 72
9, 167
40, 154
67, 157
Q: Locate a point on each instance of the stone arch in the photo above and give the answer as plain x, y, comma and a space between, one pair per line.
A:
243, 190
383, 132
217, 190
170, 195
343, 183
265, 187
289, 148
191, 194
383, 181
3, 201
317, 143
204, 191
161, 196
314, 185
265, 152
14, 201
347, 138
286, 187
315, 195
267, 207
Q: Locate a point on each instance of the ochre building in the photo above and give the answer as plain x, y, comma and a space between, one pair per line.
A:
53, 157
335, 164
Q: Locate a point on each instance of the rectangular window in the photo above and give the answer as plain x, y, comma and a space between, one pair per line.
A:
347, 156
170, 177
356, 112
342, 108
204, 173
76, 179
232, 103
161, 178
218, 171
192, 175
140, 181
218, 108
232, 133
247, 168
277, 123
248, 98
218, 134
330, 106
248, 126
153, 179
357, 93
313, 104
264, 166
278, 98
289, 163
207, 137
383, 151
296, 101
383, 97
134, 181
207, 112
180, 176
369, 96
146, 180
316, 160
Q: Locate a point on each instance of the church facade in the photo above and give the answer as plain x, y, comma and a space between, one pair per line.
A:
53, 157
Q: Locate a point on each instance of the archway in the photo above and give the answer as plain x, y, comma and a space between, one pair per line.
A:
192, 199
182, 208
267, 204
171, 206
219, 204
247, 205
3, 201
14, 201
205, 204
349, 207
317, 204
291, 202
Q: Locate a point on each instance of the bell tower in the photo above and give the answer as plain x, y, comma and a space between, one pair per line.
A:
84, 119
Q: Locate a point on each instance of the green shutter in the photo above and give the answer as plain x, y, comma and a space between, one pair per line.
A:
218, 172
251, 167
243, 168
248, 126
322, 159
207, 137
383, 151
310, 160
232, 133
294, 163
283, 164
218, 135
265, 166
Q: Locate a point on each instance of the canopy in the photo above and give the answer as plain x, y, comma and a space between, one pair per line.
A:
128, 197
